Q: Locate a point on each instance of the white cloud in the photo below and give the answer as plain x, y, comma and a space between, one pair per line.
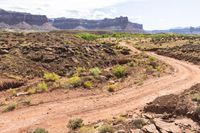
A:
59, 8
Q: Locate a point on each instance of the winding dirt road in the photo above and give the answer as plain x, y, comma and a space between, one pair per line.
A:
55, 115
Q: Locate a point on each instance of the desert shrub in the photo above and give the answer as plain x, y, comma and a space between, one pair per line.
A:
152, 59
95, 71
87, 129
120, 35
119, 71
42, 86
198, 110
139, 123
12, 91
51, 76
79, 70
133, 64
10, 107
106, 129
40, 130
88, 84
111, 88
75, 123
196, 98
158, 68
120, 119
27, 102
31, 91
75, 81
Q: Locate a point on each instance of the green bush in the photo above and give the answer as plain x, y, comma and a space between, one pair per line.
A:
51, 76
40, 130
95, 71
75, 81
196, 98
111, 88
119, 71
88, 36
106, 129
79, 70
139, 123
88, 84
10, 107
152, 59
75, 123
42, 86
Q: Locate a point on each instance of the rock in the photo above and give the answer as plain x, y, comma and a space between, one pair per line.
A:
4, 51
150, 128
111, 82
35, 56
48, 58
21, 94
125, 51
120, 131
137, 131
102, 78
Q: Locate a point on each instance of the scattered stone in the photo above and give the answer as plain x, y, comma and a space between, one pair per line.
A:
120, 131
150, 128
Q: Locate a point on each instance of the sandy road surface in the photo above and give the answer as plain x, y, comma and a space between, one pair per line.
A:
55, 115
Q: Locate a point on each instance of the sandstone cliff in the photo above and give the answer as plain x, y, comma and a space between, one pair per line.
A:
117, 24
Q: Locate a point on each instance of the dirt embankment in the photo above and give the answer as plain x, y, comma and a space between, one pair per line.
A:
189, 52
184, 104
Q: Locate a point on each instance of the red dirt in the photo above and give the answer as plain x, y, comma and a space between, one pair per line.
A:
55, 115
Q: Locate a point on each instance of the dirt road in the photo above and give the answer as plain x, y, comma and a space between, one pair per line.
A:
55, 115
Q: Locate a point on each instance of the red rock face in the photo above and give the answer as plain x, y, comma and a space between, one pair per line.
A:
12, 18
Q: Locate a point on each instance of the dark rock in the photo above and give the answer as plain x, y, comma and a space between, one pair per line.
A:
4, 51
35, 56
48, 58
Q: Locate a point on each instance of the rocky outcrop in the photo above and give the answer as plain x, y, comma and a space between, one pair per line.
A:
13, 18
117, 24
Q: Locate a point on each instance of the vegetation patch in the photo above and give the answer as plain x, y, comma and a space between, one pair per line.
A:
75, 123
106, 128
40, 130
139, 123
87, 129
95, 71
42, 87
119, 71
88, 84
10, 107
51, 76
75, 81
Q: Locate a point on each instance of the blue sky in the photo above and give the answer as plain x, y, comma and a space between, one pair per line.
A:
153, 14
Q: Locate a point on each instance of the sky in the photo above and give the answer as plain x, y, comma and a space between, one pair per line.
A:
153, 14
